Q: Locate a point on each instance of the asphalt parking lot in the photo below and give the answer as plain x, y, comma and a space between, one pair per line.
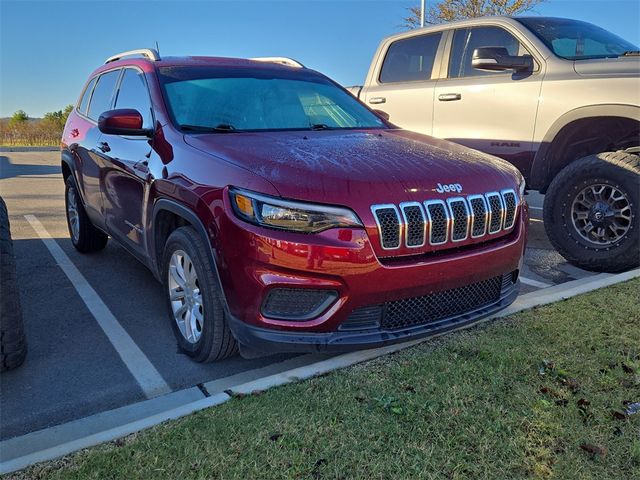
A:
74, 369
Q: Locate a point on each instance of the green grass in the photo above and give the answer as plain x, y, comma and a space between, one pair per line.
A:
511, 399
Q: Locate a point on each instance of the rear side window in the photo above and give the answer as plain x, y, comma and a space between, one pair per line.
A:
103, 94
84, 102
466, 40
410, 59
133, 93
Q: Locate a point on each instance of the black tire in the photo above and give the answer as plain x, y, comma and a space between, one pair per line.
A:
13, 345
616, 169
216, 341
89, 238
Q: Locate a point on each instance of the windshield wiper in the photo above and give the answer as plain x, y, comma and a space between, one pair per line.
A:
631, 53
320, 126
221, 128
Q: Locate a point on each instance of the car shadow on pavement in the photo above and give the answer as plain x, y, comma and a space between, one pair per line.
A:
11, 170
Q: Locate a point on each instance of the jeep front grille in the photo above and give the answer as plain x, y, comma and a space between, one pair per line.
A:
438, 222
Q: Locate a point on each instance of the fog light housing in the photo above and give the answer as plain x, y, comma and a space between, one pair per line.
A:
297, 304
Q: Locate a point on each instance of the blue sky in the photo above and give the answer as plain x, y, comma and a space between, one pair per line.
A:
47, 48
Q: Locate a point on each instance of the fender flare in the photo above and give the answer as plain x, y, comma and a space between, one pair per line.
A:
190, 216
541, 166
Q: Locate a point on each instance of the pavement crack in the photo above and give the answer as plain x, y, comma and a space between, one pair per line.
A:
203, 389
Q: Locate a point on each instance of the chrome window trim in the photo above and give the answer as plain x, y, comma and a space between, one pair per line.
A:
374, 209
504, 203
453, 218
403, 205
448, 220
473, 217
502, 212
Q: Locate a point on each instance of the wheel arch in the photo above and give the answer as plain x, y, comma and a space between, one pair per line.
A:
582, 132
168, 215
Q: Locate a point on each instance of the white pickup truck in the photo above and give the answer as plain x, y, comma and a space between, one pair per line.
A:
558, 98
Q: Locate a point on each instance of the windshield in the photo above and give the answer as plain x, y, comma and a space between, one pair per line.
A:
575, 40
221, 99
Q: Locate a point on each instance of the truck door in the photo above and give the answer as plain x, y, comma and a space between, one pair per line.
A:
404, 84
494, 112
126, 174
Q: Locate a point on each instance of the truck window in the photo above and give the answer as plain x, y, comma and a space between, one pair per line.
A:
133, 93
103, 94
84, 102
410, 59
466, 40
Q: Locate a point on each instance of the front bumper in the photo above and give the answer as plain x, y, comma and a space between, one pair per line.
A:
253, 261
269, 340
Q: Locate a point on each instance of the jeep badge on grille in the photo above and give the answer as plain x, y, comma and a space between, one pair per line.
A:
452, 187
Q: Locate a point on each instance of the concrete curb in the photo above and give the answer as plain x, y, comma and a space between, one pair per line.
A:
21, 452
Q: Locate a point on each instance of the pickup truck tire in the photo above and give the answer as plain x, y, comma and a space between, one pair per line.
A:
13, 346
580, 203
85, 237
186, 250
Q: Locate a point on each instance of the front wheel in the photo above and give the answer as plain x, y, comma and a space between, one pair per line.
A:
194, 298
591, 212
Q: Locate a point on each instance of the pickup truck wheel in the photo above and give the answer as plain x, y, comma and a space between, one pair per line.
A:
84, 236
13, 346
591, 212
194, 298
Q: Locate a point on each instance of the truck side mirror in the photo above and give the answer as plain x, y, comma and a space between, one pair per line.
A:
496, 59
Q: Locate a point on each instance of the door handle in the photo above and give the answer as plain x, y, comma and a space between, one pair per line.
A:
104, 147
377, 100
449, 97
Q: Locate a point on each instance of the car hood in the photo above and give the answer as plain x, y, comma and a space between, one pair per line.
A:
359, 167
608, 66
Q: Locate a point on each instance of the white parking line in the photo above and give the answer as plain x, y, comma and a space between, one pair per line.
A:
149, 379
534, 283
535, 208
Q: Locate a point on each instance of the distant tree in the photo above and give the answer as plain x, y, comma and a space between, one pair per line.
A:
451, 10
57, 120
18, 118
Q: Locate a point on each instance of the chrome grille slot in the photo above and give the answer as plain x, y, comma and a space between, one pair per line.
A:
438, 217
510, 201
415, 224
479, 213
389, 225
496, 212
459, 218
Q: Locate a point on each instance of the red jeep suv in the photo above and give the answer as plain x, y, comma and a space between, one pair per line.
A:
280, 213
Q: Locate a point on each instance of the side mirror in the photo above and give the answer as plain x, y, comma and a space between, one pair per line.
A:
122, 121
382, 114
496, 59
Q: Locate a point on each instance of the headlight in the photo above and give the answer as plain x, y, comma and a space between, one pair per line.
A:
522, 187
289, 215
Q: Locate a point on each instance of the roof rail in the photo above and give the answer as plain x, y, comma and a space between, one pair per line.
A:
289, 62
149, 53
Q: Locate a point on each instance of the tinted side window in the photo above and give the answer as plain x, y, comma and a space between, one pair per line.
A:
84, 102
103, 94
410, 59
133, 93
466, 40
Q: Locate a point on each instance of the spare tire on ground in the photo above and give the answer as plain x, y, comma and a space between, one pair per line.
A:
13, 345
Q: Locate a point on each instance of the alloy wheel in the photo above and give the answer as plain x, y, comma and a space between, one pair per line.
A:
185, 296
601, 214
72, 214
